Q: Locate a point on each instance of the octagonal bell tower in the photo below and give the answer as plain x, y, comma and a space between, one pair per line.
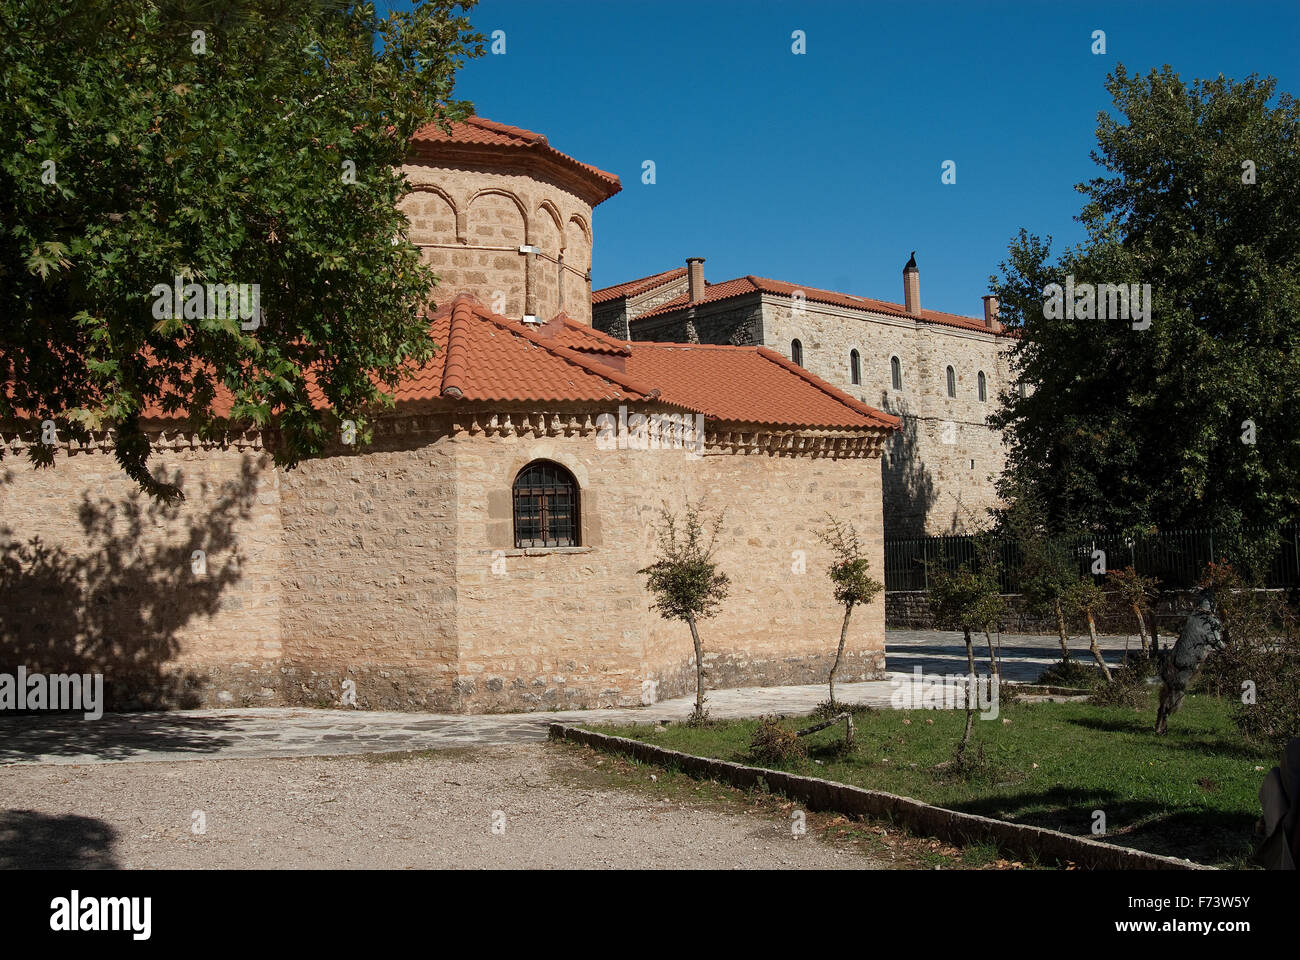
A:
501, 214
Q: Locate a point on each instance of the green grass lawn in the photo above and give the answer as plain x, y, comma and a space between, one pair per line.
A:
1192, 793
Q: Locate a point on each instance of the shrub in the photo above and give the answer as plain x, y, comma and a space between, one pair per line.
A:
1128, 686
774, 744
1069, 673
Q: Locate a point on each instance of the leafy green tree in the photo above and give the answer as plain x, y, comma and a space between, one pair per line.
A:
1046, 566
1083, 599
1188, 421
685, 580
1137, 593
244, 142
851, 578
967, 599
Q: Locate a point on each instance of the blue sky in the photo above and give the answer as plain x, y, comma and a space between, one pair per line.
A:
823, 169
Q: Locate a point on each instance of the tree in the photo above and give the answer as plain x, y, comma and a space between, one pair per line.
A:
1083, 598
850, 574
967, 599
253, 142
1186, 422
1137, 592
685, 580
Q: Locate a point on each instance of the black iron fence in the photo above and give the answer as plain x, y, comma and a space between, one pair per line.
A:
1177, 558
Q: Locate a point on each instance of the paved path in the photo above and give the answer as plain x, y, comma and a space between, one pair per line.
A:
298, 732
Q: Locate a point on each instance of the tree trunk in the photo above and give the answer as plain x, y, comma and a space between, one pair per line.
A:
835, 667
970, 723
993, 660
1092, 646
1142, 625
1060, 628
699, 670
970, 691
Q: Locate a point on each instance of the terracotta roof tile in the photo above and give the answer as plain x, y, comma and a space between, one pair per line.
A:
751, 284
478, 131
749, 385
488, 357
564, 331
633, 287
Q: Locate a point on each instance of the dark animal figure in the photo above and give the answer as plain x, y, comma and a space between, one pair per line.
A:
1202, 633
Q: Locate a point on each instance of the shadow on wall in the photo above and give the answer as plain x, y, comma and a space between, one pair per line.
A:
908, 488
117, 603
39, 841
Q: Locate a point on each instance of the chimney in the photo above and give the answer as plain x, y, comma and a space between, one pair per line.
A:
991, 314
695, 278
912, 287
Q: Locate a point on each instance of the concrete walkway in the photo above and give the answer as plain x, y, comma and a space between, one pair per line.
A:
300, 732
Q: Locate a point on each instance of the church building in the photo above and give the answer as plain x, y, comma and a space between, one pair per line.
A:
482, 553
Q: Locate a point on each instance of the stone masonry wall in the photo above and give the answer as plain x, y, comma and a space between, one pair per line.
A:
96, 578
471, 224
929, 481
369, 591
392, 573
573, 628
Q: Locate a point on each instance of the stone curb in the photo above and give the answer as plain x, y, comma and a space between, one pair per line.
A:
922, 818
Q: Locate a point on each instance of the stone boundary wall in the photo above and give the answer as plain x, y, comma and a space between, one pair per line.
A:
910, 609
922, 818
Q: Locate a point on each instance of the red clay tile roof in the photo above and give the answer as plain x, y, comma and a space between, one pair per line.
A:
633, 287
749, 385
751, 284
490, 357
567, 332
480, 132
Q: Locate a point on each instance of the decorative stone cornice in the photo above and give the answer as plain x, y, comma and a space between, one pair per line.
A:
458, 421
17, 438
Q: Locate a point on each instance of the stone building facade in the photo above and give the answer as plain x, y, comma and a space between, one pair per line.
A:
940, 468
405, 575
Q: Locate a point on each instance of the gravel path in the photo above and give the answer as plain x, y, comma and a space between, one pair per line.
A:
432, 810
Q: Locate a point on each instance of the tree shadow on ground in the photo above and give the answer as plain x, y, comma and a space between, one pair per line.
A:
117, 602
39, 841
1204, 836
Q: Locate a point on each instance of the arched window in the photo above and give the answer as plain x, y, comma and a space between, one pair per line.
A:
855, 367
796, 352
546, 506
952, 382
896, 372
983, 387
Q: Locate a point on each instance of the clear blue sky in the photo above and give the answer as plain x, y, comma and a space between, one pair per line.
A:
824, 169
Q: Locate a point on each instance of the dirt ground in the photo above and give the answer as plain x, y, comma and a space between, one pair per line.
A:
435, 809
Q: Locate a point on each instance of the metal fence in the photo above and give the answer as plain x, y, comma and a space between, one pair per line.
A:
1177, 558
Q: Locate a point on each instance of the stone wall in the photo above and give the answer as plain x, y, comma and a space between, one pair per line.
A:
369, 582
930, 485
940, 468
175, 605
573, 628
472, 222
392, 572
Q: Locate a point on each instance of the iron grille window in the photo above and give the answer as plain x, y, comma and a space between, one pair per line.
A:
984, 388
796, 352
546, 506
855, 367
896, 372
952, 382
